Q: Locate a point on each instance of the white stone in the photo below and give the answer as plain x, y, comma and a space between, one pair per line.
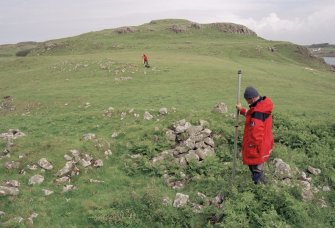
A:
47, 192
36, 179
45, 164
180, 200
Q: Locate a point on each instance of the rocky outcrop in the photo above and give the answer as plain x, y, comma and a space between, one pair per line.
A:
232, 28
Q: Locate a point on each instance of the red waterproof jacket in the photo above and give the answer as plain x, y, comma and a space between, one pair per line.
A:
258, 138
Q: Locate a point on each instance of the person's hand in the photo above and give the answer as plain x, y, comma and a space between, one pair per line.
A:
239, 106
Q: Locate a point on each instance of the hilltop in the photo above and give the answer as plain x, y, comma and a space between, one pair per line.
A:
89, 137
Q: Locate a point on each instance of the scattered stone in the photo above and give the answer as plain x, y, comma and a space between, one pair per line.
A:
163, 155
136, 156
69, 187
181, 126
313, 170
2, 213
12, 165
36, 179
45, 164
115, 134
220, 108
163, 111
8, 191
12, 134
282, 170
89, 136
147, 116
203, 123
32, 167
180, 200
322, 203
87, 105
76, 155
109, 112
96, 181
66, 169
108, 153
176, 185
307, 193
85, 163
197, 208
62, 180
167, 201
326, 189
12, 183
31, 217
98, 163
68, 157
171, 136
218, 200
47, 192
123, 115
305, 178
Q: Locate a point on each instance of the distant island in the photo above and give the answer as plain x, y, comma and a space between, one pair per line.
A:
322, 49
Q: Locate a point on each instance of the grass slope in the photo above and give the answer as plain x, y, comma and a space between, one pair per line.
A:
63, 87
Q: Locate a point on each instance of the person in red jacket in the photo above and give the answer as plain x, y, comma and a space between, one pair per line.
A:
145, 60
258, 140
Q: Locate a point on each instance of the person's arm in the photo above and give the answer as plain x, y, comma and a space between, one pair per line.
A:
243, 111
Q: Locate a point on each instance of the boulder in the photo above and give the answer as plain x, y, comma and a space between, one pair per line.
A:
163, 111
12, 165
282, 170
45, 164
47, 192
220, 108
8, 191
66, 169
313, 170
147, 116
180, 200
36, 179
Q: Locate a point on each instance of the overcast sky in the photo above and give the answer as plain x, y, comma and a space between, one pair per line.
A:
297, 21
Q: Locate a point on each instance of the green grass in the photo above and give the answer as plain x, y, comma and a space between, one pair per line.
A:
191, 72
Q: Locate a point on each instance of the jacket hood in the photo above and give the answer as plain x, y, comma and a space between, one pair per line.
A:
265, 105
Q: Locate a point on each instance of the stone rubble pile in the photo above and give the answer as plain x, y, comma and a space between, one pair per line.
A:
189, 142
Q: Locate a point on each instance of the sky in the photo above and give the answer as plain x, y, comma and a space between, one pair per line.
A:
298, 21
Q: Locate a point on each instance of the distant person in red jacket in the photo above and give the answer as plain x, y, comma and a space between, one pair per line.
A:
145, 60
258, 140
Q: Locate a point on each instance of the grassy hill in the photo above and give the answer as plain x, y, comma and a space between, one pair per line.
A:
63, 89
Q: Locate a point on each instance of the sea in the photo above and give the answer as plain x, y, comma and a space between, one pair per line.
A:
330, 60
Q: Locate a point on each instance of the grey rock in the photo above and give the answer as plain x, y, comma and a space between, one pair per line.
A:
282, 170
12, 183
12, 165
220, 108
62, 180
66, 169
163, 111
36, 179
147, 116
180, 200
313, 170
47, 192
8, 191
45, 164
89, 136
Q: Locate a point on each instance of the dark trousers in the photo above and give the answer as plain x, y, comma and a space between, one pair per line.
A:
256, 172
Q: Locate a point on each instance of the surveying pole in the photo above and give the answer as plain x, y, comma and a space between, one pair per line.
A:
239, 78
